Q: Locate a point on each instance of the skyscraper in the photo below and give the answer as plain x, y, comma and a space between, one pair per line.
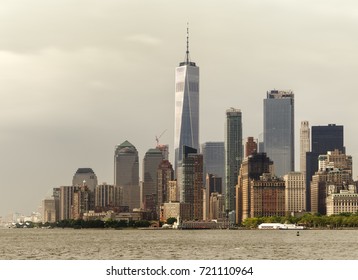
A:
214, 159
304, 145
279, 130
186, 106
192, 184
85, 174
233, 154
325, 138
151, 162
126, 174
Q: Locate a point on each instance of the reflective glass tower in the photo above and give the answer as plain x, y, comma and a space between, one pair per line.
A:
279, 130
186, 106
233, 154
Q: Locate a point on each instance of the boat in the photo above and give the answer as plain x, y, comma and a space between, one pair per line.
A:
280, 226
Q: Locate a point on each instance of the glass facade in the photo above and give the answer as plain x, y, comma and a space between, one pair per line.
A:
214, 159
186, 130
279, 130
233, 154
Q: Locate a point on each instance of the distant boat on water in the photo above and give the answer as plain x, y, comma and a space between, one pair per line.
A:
279, 226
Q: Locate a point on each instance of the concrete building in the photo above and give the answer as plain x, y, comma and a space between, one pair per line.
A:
49, 210
335, 168
126, 174
279, 130
107, 196
165, 175
56, 194
295, 192
66, 201
305, 145
186, 130
250, 146
173, 192
177, 209
216, 206
342, 199
213, 184
233, 154
82, 201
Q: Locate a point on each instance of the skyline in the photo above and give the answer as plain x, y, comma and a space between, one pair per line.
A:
78, 82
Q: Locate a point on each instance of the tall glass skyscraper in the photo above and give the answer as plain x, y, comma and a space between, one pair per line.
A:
279, 130
126, 174
186, 106
233, 154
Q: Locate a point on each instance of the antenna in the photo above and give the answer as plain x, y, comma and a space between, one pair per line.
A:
187, 43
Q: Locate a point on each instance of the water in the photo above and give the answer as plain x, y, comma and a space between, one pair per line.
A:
87, 244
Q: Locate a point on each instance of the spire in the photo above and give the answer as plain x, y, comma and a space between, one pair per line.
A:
187, 58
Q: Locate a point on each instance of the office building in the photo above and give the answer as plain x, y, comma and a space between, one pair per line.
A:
85, 174
192, 185
304, 145
186, 131
165, 175
126, 174
233, 154
323, 139
251, 169
250, 146
151, 162
279, 130
107, 197
214, 159
295, 192
49, 210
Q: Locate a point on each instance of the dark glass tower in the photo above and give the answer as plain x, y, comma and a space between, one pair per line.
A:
279, 130
324, 139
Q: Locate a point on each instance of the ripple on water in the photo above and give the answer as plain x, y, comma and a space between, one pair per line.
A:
70, 244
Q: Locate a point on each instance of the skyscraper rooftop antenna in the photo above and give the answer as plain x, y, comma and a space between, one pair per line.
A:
187, 44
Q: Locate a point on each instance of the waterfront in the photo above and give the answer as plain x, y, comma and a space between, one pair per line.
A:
70, 244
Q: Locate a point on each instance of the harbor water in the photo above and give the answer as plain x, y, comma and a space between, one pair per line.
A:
135, 244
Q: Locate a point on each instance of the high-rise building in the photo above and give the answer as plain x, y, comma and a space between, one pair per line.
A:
295, 192
279, 130
191, 192
126, 174
214, 159
324, 138
250, 146
107, 197
85, 174
213, 184
49, 210
233, 154
165, 175
267, 197
335, 168
251, 169
151, 162
304, 145
66, 201
186, 106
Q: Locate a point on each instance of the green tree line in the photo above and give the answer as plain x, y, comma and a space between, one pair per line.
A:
109, 223
309, 220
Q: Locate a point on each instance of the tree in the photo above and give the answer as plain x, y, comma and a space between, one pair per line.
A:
171, 220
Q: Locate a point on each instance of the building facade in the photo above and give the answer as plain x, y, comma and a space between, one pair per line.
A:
233, 154
305, 144
295, 192
126, 174
151, 162
186, 130
279, 130
87, 175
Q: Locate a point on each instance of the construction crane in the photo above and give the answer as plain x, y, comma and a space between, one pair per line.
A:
158, 137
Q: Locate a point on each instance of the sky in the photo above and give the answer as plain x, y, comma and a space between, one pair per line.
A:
78, 77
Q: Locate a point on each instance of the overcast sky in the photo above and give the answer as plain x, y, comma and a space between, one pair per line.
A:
79, 77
